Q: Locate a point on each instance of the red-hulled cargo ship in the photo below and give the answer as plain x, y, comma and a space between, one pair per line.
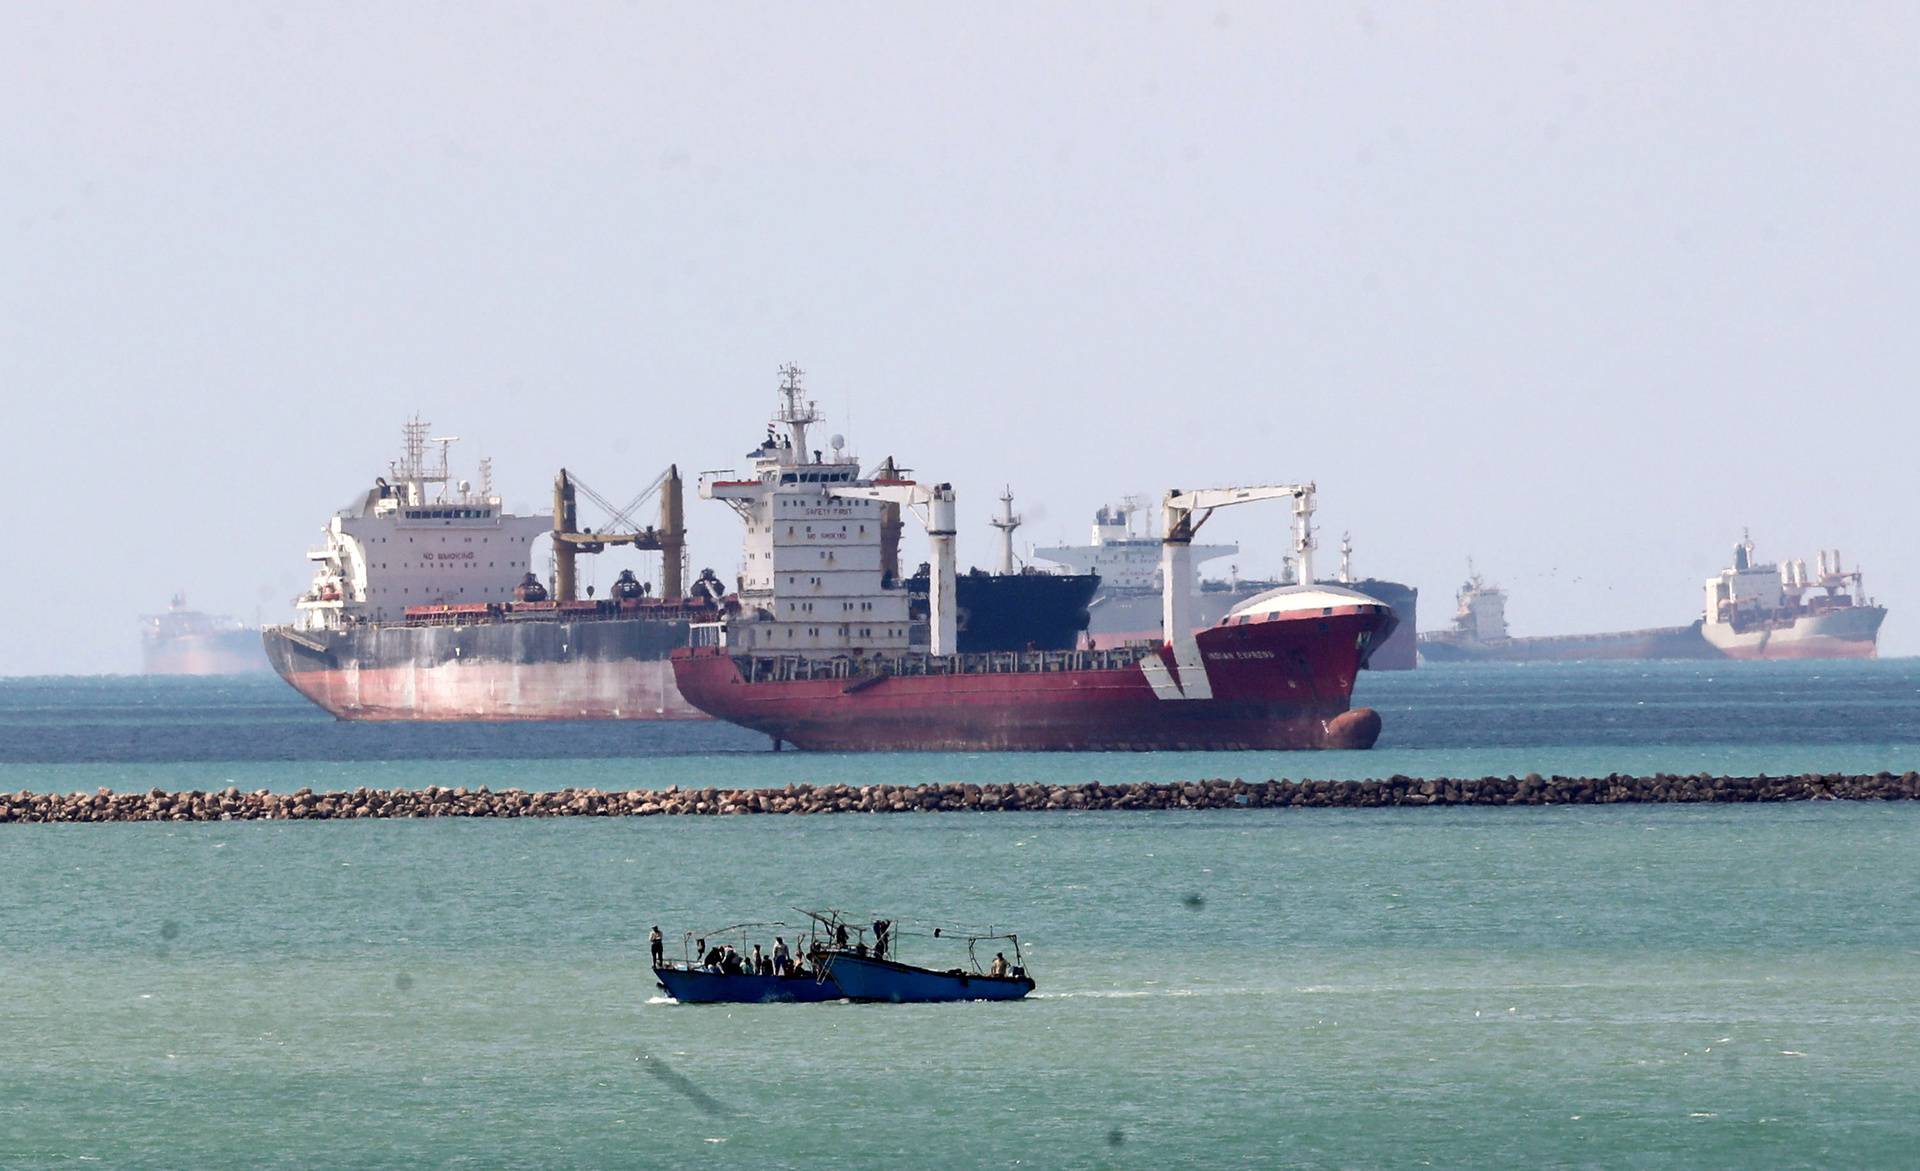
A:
1276, 674
821, 655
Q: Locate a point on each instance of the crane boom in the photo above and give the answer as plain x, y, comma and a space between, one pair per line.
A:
935, 508
1176, 545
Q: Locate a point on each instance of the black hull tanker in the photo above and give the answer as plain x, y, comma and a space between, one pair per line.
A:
1026, 610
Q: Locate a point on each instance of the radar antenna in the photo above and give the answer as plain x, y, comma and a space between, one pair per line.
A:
796, 412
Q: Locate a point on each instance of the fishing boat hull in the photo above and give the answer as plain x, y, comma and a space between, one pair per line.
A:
865, 978
701, 987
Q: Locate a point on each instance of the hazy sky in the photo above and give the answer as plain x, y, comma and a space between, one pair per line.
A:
1578, 291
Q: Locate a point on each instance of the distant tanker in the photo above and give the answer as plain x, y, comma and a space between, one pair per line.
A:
189, 642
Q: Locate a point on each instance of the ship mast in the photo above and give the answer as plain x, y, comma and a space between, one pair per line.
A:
412, 470
797, 413
1006, 522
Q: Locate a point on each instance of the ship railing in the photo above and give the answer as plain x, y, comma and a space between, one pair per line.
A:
606, 609
795, 668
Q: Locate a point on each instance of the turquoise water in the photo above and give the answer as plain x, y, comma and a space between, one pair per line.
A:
134, 734
1691, 986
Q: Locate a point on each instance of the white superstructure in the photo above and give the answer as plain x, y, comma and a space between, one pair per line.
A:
1480, 613
812, 578
1126, 558
417, 539
1751, 591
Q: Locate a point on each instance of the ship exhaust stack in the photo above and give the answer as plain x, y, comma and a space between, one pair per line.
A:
942, 613
887, 473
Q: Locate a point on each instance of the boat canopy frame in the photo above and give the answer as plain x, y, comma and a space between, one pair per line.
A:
721, 933
828, 921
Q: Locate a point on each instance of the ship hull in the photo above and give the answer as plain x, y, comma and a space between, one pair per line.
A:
1850, 633
696, 986
864, 978
610, 669
1283, 684
1667, 642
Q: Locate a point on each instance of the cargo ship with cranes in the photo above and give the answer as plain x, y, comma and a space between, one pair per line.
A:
821, 654
1752, 611
1758, 610
425, 604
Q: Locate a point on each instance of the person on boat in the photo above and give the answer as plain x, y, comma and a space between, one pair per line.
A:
860, 949
759, 962
730, 961
1000, 966
657, 945
712, 957
880, 938
840, 935
782, 960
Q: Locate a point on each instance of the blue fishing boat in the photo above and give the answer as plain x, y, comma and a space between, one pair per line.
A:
699, 986
723, 974
865, 978
877, 973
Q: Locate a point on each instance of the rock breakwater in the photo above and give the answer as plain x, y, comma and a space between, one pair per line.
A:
307, 805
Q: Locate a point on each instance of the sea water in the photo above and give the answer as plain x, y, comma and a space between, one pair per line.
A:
1583, 986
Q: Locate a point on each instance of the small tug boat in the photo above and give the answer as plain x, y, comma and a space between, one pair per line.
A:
877, 974
728, 981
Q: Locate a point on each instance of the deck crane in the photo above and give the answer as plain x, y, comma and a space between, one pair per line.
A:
1176, 545
569, 540
935, 508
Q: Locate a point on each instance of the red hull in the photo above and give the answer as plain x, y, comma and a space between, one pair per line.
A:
1283, 683
632, 690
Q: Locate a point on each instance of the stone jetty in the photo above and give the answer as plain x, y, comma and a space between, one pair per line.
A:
307, 805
